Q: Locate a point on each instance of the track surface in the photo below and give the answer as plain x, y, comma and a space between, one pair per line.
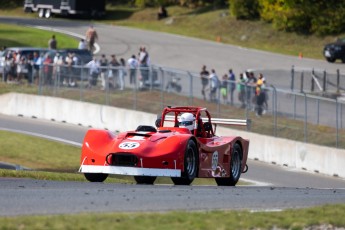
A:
279, 188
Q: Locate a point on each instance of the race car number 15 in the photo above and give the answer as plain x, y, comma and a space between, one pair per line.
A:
129, 145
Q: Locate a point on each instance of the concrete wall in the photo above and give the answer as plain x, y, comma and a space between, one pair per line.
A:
309, 157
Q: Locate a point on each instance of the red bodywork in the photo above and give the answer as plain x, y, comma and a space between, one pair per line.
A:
160, 151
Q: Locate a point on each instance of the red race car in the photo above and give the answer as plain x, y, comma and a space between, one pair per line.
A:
183, 146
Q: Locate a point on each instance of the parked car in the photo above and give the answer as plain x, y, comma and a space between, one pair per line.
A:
335, 50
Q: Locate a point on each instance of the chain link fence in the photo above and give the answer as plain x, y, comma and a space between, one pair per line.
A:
302, 104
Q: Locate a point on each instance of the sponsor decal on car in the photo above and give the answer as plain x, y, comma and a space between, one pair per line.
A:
214, 160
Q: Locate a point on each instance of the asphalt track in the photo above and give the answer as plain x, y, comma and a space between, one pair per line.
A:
276, 187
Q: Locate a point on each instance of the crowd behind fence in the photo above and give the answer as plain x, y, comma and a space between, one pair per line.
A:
294, 97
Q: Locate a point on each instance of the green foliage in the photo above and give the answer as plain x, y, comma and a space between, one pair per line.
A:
305, 16
10, 3
244, 9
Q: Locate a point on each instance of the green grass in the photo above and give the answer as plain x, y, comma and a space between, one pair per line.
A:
328, 215
13, 35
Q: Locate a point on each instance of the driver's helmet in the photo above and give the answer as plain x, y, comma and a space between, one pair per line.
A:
187, 120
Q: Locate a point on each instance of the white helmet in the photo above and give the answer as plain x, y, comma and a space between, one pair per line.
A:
187, 120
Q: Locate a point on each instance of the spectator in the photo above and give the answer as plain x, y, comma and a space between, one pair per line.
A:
93, 66
262, 83
144, 64
37, 63
250, 89
260, 97
47, 70
113, 72
162, 13
133, 65
232, 85
52, 43
30, 68
214, 85
57, 67
82, 44
103, 62
224, 88
204, 74
91, 37
122, 73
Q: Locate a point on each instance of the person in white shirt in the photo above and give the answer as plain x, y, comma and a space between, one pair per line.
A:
82, 44
94, 72
214, 81
133, 65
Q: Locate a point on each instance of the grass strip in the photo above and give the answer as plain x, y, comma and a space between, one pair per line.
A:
323, 217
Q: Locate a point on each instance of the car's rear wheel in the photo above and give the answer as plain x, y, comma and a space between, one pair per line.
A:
41, 13
95, 177
235, 168
191, 162
330, 59
145, 179
48, 13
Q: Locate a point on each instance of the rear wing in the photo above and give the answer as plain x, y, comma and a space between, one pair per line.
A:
219, 121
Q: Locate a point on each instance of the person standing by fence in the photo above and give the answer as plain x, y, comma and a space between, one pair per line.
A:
232, 86
133, 65
103, 62
204, 75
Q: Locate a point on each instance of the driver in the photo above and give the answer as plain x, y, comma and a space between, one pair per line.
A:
187, 120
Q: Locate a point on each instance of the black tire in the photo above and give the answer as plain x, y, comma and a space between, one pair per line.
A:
41, 13
145, 179
95, 177
47, 13
331, 60
191, 162
235, 168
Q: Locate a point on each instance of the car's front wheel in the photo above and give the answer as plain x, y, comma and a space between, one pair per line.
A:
95, 177
191, 162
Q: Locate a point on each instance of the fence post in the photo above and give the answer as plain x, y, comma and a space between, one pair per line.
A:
312, 81
338, 81
337, 122
190, 88
162, 86
305, 118
302, 80
292, 78
324, 81
274, 110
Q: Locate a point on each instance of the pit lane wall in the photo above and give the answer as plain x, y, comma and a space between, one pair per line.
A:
293, 154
